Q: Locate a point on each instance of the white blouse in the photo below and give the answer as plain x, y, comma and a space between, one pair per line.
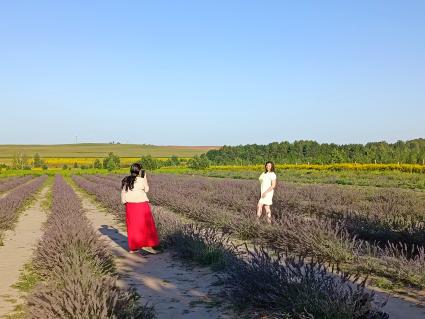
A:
138, 193
266, 180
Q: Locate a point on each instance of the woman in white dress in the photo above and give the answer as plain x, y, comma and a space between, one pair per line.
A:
268, 184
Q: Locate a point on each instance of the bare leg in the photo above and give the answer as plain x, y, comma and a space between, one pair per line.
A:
150, 250
269, 214
259, 210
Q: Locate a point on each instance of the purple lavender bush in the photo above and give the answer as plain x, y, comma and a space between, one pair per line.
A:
12, 203
12, 182
292, 290
77, 269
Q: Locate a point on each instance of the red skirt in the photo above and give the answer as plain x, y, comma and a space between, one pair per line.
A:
141, 230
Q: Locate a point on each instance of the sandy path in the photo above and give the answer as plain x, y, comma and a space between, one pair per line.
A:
399, 308
174, 289
17, 250
5, 193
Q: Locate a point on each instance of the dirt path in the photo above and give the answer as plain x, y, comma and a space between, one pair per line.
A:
399, 308
174, 289
17, 250
4, 194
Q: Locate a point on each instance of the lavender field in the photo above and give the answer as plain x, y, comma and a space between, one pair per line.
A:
373, 231
250, 273
326, 250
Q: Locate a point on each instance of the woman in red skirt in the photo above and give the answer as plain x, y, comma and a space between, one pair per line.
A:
141, 230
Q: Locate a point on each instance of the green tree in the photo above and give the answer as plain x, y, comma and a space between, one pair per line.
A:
337, 156
111, 162
19, 160
412, 151
37, 160
97, 164
198, 162
150, 163
172, 161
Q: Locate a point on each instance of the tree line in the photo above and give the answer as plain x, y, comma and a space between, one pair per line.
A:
305, 151
298, 152
21, 161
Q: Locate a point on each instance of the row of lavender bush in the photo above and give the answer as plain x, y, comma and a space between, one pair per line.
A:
12, 182
229, 205
77, 270
257, 283
373, 215
12, 203
379, 215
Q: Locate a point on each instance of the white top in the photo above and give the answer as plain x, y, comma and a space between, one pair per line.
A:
138, 193
266, 181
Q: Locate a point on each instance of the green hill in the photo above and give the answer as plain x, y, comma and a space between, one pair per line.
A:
102, 149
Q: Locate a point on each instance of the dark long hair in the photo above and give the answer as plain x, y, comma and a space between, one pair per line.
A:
265, 166
128, 181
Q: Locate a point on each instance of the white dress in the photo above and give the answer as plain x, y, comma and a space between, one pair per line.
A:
266, 181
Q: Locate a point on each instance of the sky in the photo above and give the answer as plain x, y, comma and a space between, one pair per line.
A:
211, 72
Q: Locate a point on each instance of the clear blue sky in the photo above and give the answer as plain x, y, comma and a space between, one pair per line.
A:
211, 72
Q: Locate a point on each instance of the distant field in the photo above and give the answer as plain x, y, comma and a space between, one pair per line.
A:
99, 150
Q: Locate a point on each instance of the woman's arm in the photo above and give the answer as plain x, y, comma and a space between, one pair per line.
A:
270, 188
123, 201
146, 184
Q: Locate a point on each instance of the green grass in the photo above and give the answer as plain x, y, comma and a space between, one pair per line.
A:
53, 171
392, 179
102, 149
385, 283
46, 203
17, 313
27, 279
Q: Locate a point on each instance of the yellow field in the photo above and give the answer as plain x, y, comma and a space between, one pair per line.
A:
60, 161
86, 154
56, 162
